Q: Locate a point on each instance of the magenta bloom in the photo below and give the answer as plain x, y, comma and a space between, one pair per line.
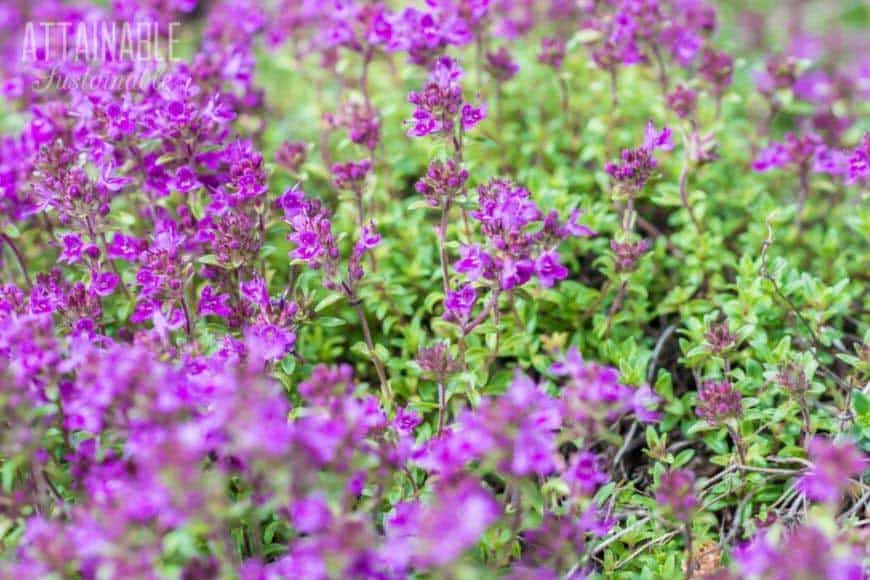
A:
584, 474
549, 269
718, 401
473, 262
311, 514
440, 104
105, 283
833, 465
501, 65
458, 304
676, 493
72, 249
683, 101
637, 165
471, 116
859, 162
185, 179
804, 552
211, 303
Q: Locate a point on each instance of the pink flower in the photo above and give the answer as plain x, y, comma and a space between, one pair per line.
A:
833, 465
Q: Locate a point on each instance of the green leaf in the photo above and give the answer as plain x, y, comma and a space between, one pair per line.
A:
683, 457
328, 301
860, 402
331, 321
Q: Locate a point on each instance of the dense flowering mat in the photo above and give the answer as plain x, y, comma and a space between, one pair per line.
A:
532, 289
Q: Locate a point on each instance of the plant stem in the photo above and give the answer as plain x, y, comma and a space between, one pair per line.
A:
442, 406
563, 90
364, 80
805, 414
379, 366
617, 303
614, 90
477, 321
803, 194
498, 105
684, 197
738, 444
690, 557
114, 266
187, 325
442, 245
663, 71
18, 257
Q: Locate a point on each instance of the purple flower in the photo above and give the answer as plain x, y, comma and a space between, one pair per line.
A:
549, 269
72, 249
833, 465
185, 179
310, 515
442, 182
593, 394
816, 87
255, 292
644, 403
655, 139
552, 52
676, 493
516, 273
803, 552
111, 181
636, 165
720, 338
311, 233
573, 227
105, 283
628, 254
773, 156
793, 379
458, 304
585, 473
716, 68
351, 175
406, 420
532, 452
859, 162
683, 101
501, 65
268, 342
291, 155
437, 361
830, 161
211, 303
467, 510
422, 124
778, 73
125, 247
718, 402
795, 151
471, 116
440, 105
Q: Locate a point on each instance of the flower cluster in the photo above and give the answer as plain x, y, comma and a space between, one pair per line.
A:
805, 551
676, 493
636, 165
443, 182
832, 466
206, 274
440, 107
718, 401
521, 241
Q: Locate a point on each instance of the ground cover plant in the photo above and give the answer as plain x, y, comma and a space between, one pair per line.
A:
441, 289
